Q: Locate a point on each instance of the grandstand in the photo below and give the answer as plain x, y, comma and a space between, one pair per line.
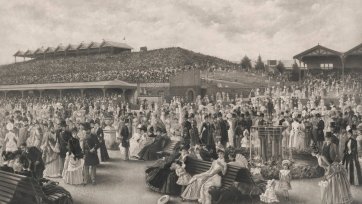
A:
135, 67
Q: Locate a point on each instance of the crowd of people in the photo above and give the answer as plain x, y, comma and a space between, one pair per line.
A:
136, 67
64, 137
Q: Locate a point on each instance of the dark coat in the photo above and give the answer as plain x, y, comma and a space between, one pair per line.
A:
207, 134
320, 128
63, 138
125, 136
350, 159
102, 147
224, 127
91, 158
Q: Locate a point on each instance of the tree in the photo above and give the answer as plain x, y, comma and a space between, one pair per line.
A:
280, 67
259, 64
295, 72
245, 63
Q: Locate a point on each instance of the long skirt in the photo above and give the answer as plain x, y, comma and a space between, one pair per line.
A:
192, 191
162, 180
205, 197
336, 189
52, 165
73, 170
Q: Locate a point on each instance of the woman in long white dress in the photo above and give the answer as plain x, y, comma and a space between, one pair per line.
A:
200, 184
51, 154
134, 142
335, 187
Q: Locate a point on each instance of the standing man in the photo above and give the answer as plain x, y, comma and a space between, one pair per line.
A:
224, 127
23, 132
63, 137
91, 160
320, 130
124, 136
186, 127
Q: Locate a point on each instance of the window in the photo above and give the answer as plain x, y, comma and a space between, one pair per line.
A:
326, 66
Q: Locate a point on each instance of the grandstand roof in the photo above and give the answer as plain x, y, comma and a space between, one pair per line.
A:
317, 51
19, 54
72, 47
49, 50
77, 85
83, 46
39, 51
60, 48
95, 45
29, 53
355, 51
115, 44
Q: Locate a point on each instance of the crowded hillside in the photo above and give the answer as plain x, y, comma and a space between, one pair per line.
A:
148, 66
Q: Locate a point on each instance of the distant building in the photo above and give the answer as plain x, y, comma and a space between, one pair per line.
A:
323, 58
74, 50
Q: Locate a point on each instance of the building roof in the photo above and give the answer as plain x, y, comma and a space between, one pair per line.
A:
355, 51
95, 45
39, 51
49, 50
76, 85
60, 48
19, 53
317, 51
106, 43
29, 53
72, 47
83, 46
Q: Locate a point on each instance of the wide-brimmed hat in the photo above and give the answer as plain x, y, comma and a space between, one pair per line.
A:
9, 126
286, 162
163, 199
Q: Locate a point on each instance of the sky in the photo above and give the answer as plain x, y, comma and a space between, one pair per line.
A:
229, 29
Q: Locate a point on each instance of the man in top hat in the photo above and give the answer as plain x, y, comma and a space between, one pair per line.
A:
63, 137
91, 160
186, 127
329, 149
125, 136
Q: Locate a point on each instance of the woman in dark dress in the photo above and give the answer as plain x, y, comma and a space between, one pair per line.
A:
160, 178
350, 159
149, 152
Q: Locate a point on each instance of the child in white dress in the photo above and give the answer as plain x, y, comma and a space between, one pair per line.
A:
183, 176
269, 196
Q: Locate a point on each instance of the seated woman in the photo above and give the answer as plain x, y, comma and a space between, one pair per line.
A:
200, 184
7, 162
138, 140
160, 178
149, 152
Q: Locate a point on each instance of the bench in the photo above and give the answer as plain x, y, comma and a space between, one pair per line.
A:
170, 146
233, 174
15, 188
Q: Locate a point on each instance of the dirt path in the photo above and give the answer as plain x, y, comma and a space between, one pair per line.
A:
123, 182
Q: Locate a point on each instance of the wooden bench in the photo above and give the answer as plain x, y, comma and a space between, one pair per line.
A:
170, 146
233, 173
15, 188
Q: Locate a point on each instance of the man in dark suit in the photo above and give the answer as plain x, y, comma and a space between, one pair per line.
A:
125, 136
224, 127
63, 137
320, 130
186, 127
91, 160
